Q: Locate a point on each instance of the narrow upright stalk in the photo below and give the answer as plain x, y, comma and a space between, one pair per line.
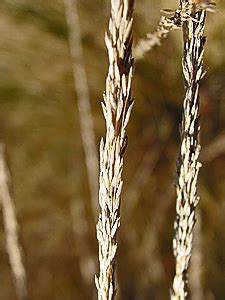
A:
83, 100
117, 107
187, 163
11, 227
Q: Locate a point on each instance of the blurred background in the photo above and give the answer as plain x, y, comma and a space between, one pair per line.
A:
39, 123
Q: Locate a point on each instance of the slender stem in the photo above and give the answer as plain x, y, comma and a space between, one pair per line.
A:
117, 106
187, 163
83, 100
12, 231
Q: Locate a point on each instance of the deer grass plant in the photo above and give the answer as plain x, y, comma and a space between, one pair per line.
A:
117, 106
188, 164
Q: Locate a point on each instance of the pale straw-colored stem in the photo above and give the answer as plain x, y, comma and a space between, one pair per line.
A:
11, 228
83, 100
86, 260
117, 106
187, 163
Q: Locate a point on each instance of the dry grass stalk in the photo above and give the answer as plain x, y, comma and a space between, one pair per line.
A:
83, 100
187, 164
11, 230
86, 260
117, 108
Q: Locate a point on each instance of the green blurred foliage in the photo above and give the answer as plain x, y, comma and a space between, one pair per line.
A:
40, 126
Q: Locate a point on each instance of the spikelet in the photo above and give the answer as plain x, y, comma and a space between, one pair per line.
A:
117, 106
187, 163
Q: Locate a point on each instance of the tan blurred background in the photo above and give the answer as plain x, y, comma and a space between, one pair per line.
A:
40, 126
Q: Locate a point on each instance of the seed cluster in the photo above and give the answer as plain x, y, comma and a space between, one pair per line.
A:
187, 163
117, 106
